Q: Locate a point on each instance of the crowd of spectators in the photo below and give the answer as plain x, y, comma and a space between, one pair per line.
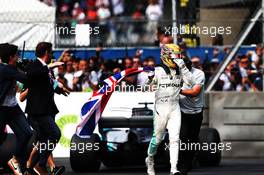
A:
90, 10
118, 20
243, 73
86, 75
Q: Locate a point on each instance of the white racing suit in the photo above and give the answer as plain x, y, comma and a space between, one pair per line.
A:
167, 112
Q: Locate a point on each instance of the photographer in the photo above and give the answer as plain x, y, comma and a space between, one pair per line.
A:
10, 111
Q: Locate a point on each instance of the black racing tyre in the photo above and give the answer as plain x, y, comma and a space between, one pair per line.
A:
7, 149
85, 153
211, 137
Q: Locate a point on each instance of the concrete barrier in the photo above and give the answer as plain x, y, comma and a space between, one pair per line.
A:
239, 118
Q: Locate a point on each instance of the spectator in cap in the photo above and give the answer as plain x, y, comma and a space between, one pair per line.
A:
214, 65
215, 61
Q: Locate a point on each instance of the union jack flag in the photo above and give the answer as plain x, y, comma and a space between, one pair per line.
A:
92, 110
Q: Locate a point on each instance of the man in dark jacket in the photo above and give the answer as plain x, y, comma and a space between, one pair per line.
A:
10, 112
41, 107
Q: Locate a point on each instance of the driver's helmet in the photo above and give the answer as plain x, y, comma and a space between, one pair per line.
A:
170, 52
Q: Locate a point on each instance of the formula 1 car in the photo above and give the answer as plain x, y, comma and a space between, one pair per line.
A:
124, 141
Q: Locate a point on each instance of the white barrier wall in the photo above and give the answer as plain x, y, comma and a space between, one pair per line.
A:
119, 105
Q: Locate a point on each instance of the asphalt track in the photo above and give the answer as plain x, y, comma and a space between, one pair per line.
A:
227, 167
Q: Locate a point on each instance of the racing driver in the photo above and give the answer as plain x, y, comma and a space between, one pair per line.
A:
168, 79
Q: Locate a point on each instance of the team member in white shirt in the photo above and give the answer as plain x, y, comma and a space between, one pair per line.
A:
191, 103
